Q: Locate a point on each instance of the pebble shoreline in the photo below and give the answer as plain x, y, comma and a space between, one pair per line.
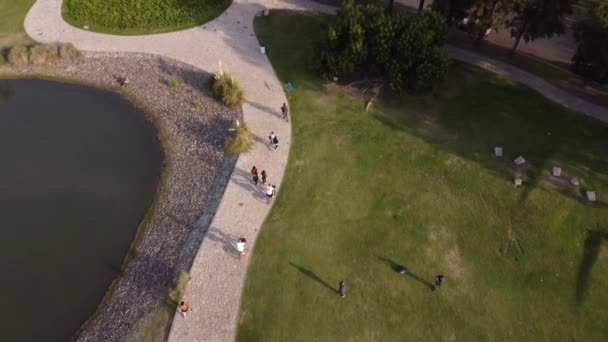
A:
192, 129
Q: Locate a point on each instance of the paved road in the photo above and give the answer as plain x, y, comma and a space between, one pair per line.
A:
217, 276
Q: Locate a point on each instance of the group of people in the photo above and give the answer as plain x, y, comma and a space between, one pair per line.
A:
270, 189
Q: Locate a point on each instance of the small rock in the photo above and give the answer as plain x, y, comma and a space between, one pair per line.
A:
556, 171
86, 27
574, 181
518, 181
498, 151
519, 160
335, 79
591, 196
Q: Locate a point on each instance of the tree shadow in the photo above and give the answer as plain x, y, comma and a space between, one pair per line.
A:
310, 274
395, 267
591, 251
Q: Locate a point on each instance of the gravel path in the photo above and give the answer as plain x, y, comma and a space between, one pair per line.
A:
217, 276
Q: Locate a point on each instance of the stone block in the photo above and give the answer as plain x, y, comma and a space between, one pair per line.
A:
556, 171
498, 151
591, 196
519, 161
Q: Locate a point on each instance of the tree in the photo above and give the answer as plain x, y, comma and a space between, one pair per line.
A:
452, 9
591, 57
405, 50
420, 6
534, 19
488, 14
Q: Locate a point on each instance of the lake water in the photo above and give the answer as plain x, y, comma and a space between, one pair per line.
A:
79, 168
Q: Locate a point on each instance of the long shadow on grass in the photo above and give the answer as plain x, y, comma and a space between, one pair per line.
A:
474, 111
591, 250
310, 274
395, 267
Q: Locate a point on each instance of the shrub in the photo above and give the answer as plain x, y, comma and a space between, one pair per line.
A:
240, 141
43, 54
2, 59
148, 14
400, 47
179, 286
69, 51
173, 83
227, 89
18, 56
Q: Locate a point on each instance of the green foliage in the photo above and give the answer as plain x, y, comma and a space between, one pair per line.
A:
392, 43
148, 14
69, 51
452, 10
18, 56
42, 54
173, 83
240, 141
227, 89
488, 14
534, 19
2, 59
179, 286
591, 57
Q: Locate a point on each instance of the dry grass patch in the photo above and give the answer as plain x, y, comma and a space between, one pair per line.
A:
18, 56
42, 54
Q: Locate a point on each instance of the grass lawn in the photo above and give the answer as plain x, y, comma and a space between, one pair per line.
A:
141, 17
12, 14
415, 182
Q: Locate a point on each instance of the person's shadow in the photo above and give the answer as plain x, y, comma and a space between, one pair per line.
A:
310, 274
395, 267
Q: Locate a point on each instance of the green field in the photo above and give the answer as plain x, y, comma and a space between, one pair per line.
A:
123, 17
415, 182
12, 14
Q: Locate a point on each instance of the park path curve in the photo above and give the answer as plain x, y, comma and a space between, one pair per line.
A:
217, 277
214, 291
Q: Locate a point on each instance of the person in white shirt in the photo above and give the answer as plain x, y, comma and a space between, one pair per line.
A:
240, 246
270, 191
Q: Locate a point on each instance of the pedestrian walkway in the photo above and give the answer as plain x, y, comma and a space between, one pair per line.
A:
217, 274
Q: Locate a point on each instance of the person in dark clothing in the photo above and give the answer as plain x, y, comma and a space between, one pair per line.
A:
342, 289
254, 173
438, 282
263, 174
285, 111
275, 142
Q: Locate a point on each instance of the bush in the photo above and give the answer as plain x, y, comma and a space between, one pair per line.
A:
173, 83
18, 56
2, 59
69, 51
179, 286
148, 14
227, 89
43, 54
404, 49
240, 141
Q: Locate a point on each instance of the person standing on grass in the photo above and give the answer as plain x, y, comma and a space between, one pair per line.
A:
438, 282
271, 190
240, 246
285, 111
263, 174
183, 308
342, 289
254, 173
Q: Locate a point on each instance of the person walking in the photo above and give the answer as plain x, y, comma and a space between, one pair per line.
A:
285, 111
183, 308
342, 289
275, 142
240, 246
271, 138
263, 174
438, 282
254, 173
271, 190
